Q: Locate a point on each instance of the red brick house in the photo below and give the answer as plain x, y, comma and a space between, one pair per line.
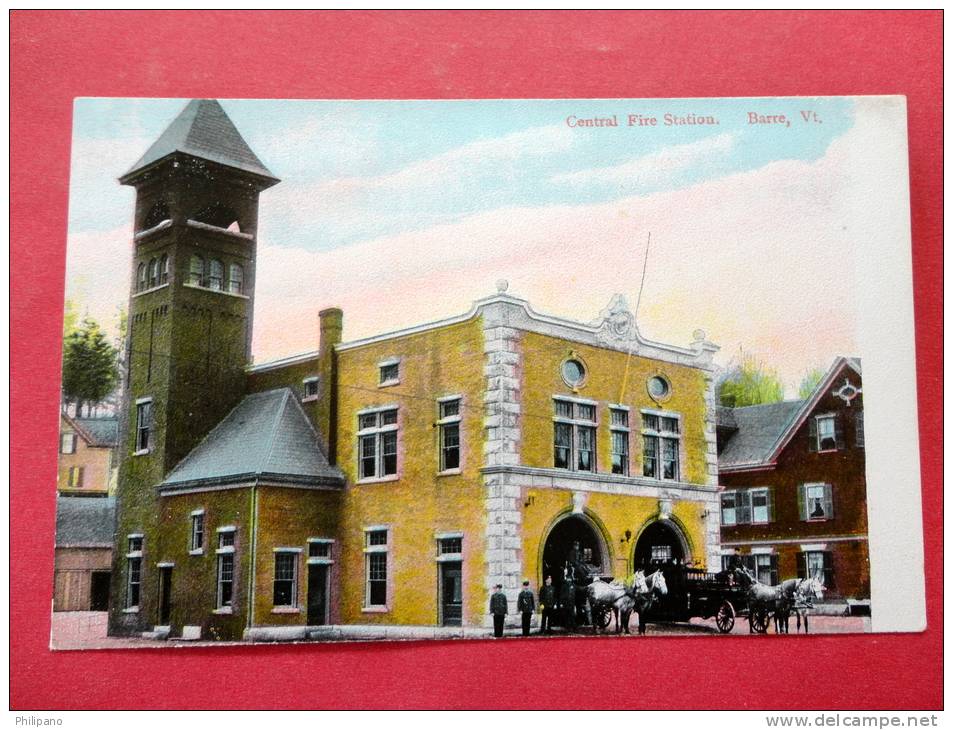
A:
794, 499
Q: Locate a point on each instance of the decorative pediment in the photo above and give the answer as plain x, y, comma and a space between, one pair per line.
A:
847, 392
615, 325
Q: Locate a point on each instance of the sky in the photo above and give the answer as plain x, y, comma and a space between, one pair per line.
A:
402, 212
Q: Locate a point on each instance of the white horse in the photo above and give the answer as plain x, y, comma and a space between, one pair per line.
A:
612, 597
805, 591
641, 598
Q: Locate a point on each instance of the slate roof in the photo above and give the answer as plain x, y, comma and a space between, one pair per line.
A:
204, 130
85, 521
759, 428
99, 431
266, 438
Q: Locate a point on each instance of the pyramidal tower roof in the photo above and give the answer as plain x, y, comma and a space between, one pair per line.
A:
203, 130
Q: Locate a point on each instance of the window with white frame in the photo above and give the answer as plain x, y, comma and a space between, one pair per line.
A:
68, 443
764, 567
74, 477
318, 548
377, 443
448, 426
216, 274
746, 506
286, 579
310, 386
225, 573
660, 445
236, 279
817, 563
153, 273
450, 545
133, 570
197, 541
164, 269
816, 501
574, 435
619, 434
141, 279
143, 424
375, 567
826, 434
196, 270
389, 372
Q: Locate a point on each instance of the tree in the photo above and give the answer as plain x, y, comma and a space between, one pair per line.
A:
809, 383
748, 382
70, 317
89, 365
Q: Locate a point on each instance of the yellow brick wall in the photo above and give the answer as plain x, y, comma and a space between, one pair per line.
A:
419, 503
543, 356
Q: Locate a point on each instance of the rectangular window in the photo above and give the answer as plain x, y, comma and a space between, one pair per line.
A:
859, 428
68, 443
729, 509
746, 506
75, 477
375, 551
817, 563
826, 434
310, 386
661, 553
449, 436
133, 570
574, 435
226, 578
816, 501
286, 579
451, 545
661, 441
389, 373
143, 425
760, 505
766, 569
377, 444
198, 531
319, 549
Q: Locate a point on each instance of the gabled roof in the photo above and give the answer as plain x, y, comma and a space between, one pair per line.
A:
101, 432
758, 430
85, 521
267, 438
204, 130
763, 431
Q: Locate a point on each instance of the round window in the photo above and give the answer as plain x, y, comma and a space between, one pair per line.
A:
573, 372
658, 387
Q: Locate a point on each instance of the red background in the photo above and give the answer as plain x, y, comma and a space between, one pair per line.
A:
57, 56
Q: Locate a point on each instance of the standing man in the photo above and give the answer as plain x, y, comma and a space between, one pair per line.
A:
567, 598
498, 608
526, 604
547, 604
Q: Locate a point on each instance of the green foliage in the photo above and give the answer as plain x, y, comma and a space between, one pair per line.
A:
749, 383
70, 317
809, 383
89, 364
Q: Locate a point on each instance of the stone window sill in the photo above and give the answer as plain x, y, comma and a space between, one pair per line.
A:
375, 609
200, 551
378, 480
286, 609
224, 611
134, 609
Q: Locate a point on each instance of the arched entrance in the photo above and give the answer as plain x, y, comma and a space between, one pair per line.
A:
573, 538
659, 544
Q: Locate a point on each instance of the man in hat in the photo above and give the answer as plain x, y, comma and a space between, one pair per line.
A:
547, 605
526, 604
498, 608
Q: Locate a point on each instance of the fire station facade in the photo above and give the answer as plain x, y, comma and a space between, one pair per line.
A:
392, 480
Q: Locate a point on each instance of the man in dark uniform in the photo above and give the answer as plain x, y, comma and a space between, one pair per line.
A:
567, 599
526, 604
498, 608
547, 604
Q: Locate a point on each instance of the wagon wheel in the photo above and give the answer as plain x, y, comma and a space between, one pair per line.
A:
759, 620
603, 618
725, 617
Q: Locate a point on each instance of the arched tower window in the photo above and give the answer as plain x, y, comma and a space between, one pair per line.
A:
216, 273
196, 270
159, 213
164, 269
153, 273
236, 279
141, 277
220, 216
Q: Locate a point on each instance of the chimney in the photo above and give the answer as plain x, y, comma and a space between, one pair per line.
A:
332, 324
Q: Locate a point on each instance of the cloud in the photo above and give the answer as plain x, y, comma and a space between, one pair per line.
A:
656, 167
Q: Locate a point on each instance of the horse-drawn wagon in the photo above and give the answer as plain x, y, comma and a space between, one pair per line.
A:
694, 593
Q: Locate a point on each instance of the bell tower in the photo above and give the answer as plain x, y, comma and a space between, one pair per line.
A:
190, 313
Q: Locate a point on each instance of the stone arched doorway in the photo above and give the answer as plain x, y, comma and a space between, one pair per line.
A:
661, 543
573, 537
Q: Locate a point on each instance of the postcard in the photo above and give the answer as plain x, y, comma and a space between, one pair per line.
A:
487, 369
